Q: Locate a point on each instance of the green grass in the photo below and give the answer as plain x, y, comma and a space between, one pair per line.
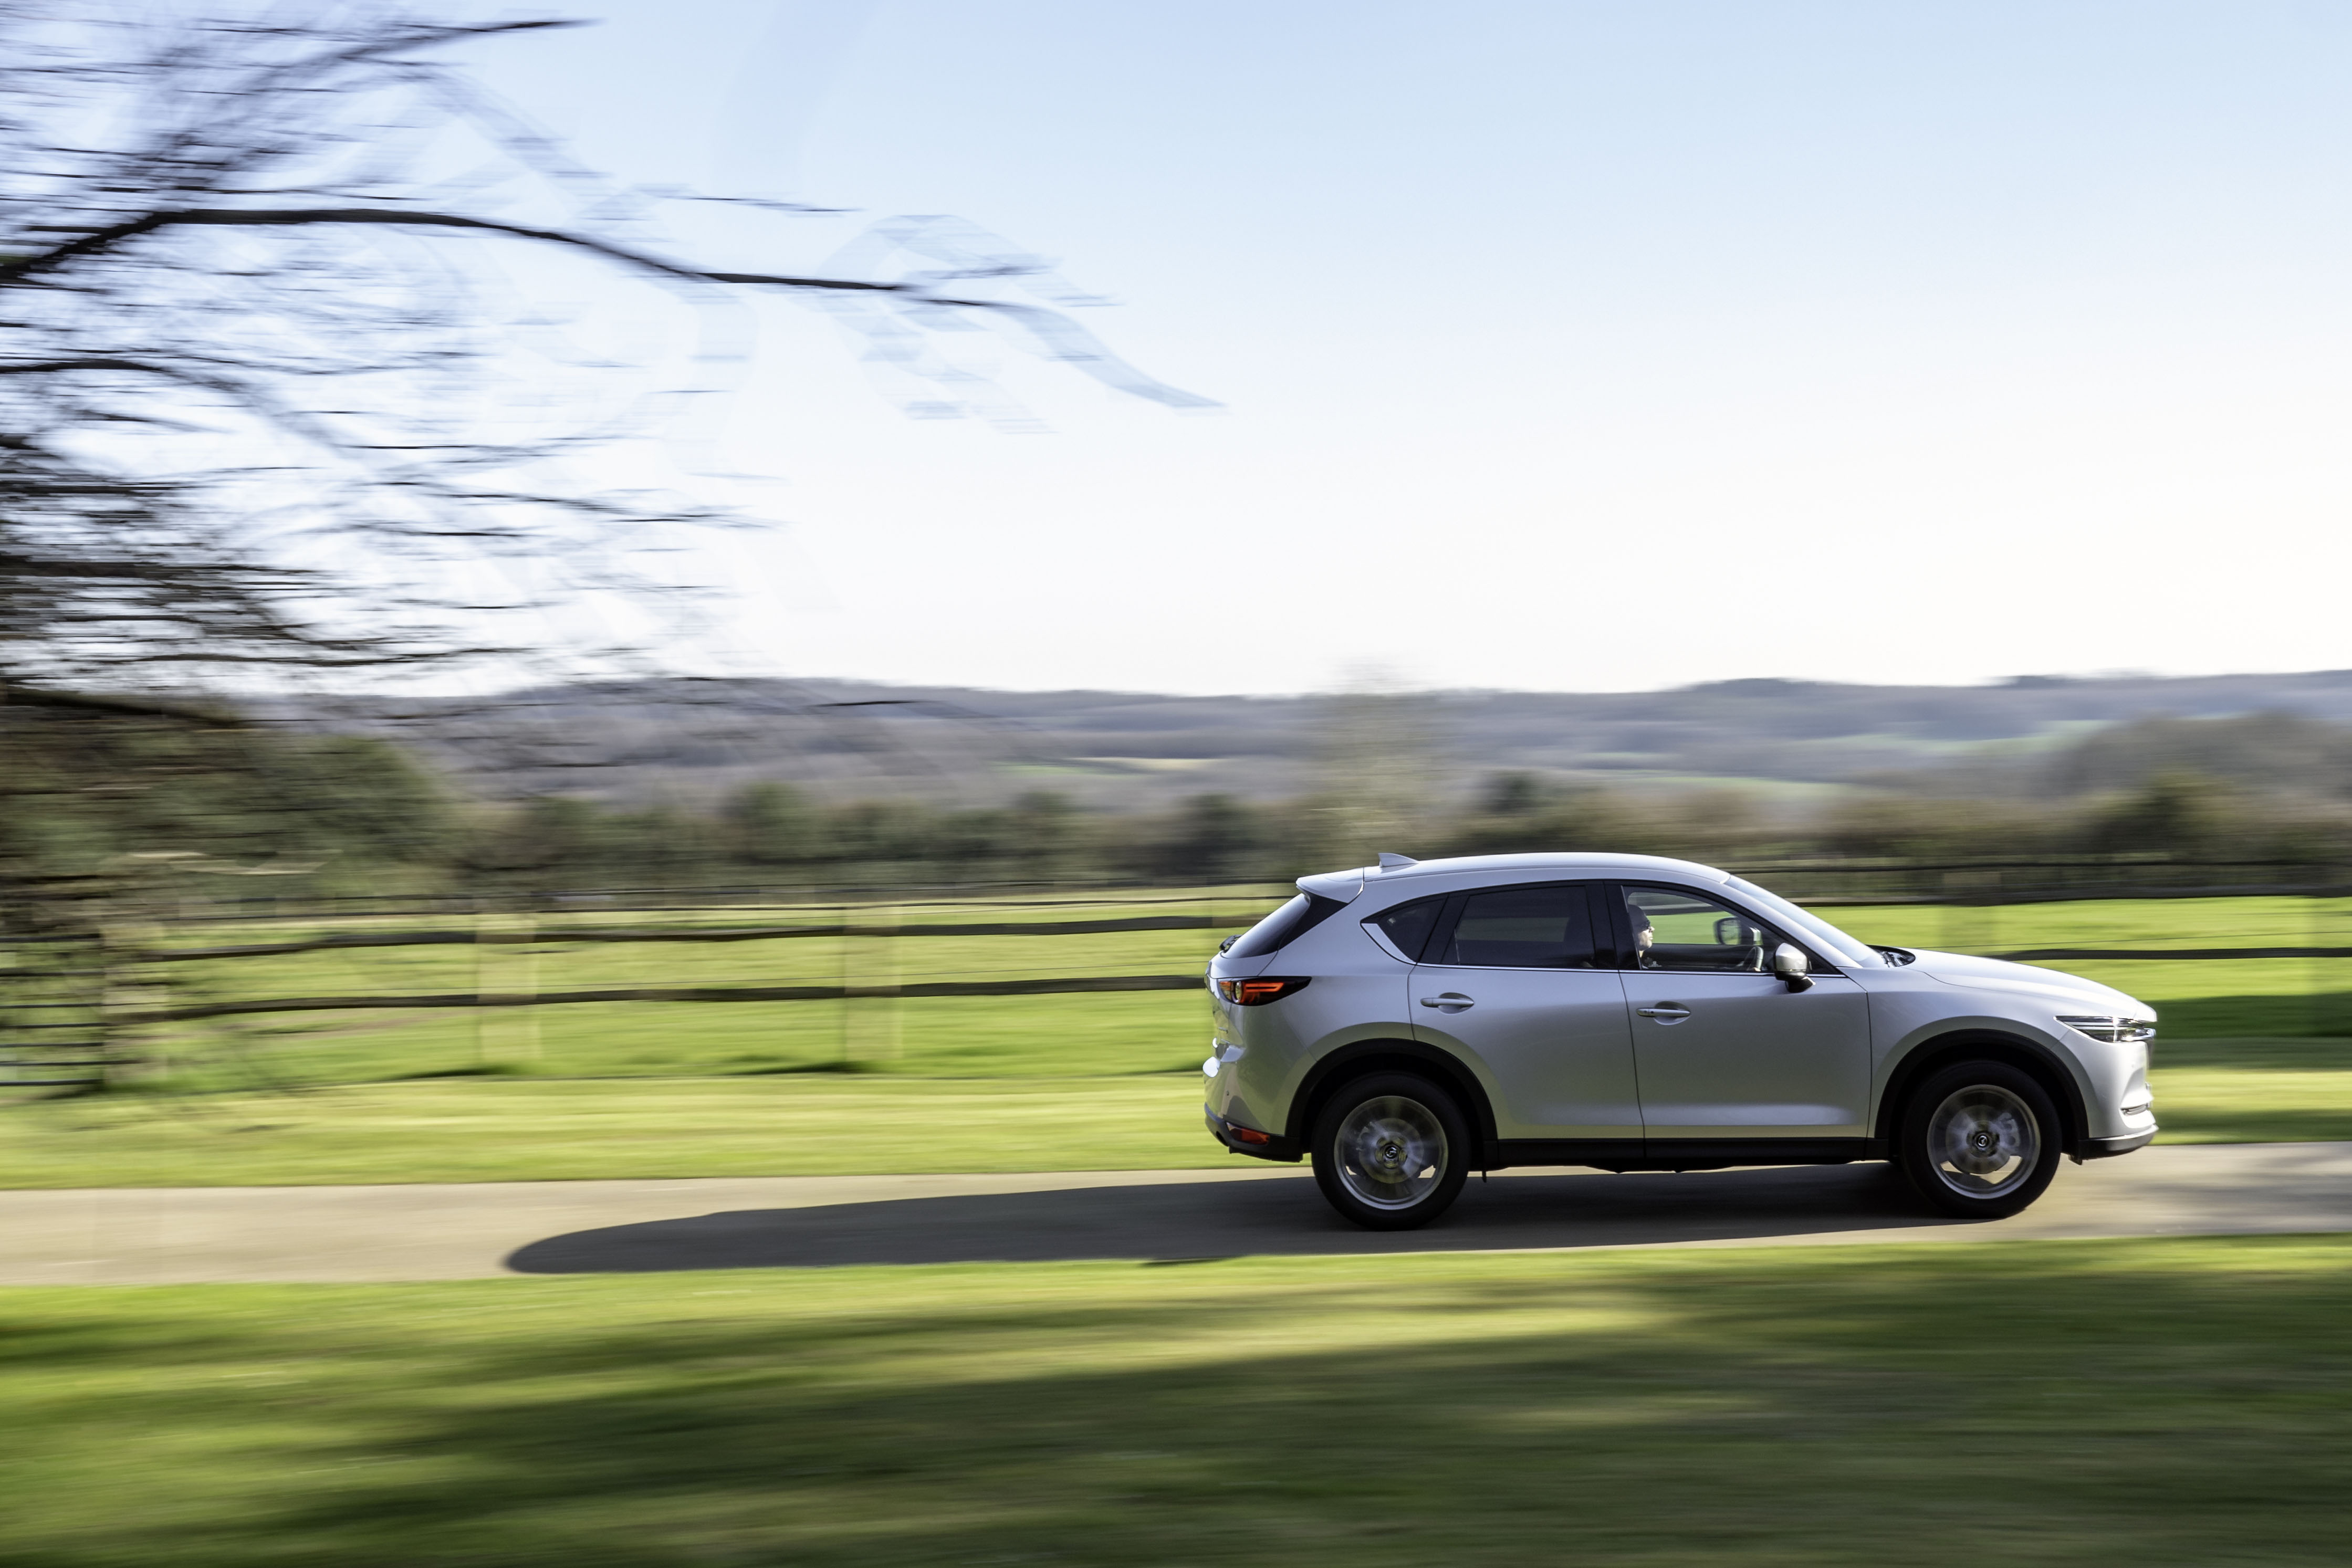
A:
487, 1129
2152, 1402
2102, 922
1108, 1036
2206, 1105
2204, 998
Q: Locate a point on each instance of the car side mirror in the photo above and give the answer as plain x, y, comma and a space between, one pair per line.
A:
1790, 963
1227, 945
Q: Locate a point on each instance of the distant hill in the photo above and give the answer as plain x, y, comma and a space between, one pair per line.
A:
692, 740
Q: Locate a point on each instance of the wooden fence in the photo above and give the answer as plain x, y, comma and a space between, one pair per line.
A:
71, 997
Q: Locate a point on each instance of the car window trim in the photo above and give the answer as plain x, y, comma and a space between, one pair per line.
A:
1622, 925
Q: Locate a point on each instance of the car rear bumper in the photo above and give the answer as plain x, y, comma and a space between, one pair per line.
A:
1275, 1146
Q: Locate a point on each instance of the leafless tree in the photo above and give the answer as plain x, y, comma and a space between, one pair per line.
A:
266, 402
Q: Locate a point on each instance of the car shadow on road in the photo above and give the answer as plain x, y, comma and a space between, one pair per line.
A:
1182, 1222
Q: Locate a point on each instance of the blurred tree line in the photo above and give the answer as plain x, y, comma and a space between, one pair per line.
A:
84, 794
2171, 815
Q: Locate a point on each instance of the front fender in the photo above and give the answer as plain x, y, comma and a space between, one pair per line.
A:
1928, 1043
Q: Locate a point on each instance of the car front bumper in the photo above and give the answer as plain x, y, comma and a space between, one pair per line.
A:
2107, 1148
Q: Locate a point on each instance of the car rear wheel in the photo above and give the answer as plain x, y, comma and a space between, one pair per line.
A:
1980, 1140
1390, 1150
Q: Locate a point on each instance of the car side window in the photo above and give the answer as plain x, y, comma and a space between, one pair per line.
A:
1677, 929
1523, 928
1409, 925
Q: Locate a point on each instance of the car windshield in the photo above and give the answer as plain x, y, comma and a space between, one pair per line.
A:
1833, 942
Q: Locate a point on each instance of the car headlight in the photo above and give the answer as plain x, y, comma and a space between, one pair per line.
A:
2113, 1030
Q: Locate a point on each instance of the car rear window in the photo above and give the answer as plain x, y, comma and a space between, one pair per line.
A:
1286, 925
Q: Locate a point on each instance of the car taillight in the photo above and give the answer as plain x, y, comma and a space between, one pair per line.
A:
1259, 991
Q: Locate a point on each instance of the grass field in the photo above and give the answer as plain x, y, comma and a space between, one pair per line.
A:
2234, 997
2158, 1401
1068, 1082
474, 1130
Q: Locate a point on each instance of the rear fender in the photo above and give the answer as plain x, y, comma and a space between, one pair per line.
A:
1354, 1061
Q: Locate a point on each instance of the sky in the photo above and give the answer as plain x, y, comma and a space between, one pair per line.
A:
1558, 346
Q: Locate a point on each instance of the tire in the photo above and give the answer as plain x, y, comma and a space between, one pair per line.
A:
1980, 1140
1391, 1150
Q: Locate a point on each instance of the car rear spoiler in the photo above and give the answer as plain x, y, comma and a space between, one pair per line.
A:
1344, 886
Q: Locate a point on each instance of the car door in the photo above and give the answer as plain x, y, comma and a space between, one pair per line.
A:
1723, 1047
1521, 979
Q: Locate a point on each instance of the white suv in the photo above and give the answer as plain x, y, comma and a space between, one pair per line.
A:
1406, 1024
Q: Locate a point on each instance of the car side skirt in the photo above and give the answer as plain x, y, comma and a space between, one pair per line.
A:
1679, 1154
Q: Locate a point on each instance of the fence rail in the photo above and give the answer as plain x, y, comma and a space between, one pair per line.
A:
1023, 987
567, 936
2163, 955
2084, 895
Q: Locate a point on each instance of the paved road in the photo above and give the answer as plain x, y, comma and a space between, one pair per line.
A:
175, 1235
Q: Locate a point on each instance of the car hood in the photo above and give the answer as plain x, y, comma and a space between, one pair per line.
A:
2063, 993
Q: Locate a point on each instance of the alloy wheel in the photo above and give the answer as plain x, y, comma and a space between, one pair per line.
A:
1391, 1152
1983, 1141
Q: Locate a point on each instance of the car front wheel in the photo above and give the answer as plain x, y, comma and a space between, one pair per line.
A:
1390, 1150
1980, 1140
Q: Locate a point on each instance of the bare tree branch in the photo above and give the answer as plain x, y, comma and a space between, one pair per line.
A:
260, 412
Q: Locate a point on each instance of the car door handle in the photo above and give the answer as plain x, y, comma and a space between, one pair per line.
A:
1672, 1012
1452, 1002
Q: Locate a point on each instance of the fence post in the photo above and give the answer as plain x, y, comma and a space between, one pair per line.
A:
2319, 923
114, 958
893, 965
843, 1004
527, 981
481, 985
521, 932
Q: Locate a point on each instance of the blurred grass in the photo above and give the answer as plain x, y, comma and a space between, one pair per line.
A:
492, 1130
2258, 1105
2100, 922
2198, 999
1111, 1035
2159, 1401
